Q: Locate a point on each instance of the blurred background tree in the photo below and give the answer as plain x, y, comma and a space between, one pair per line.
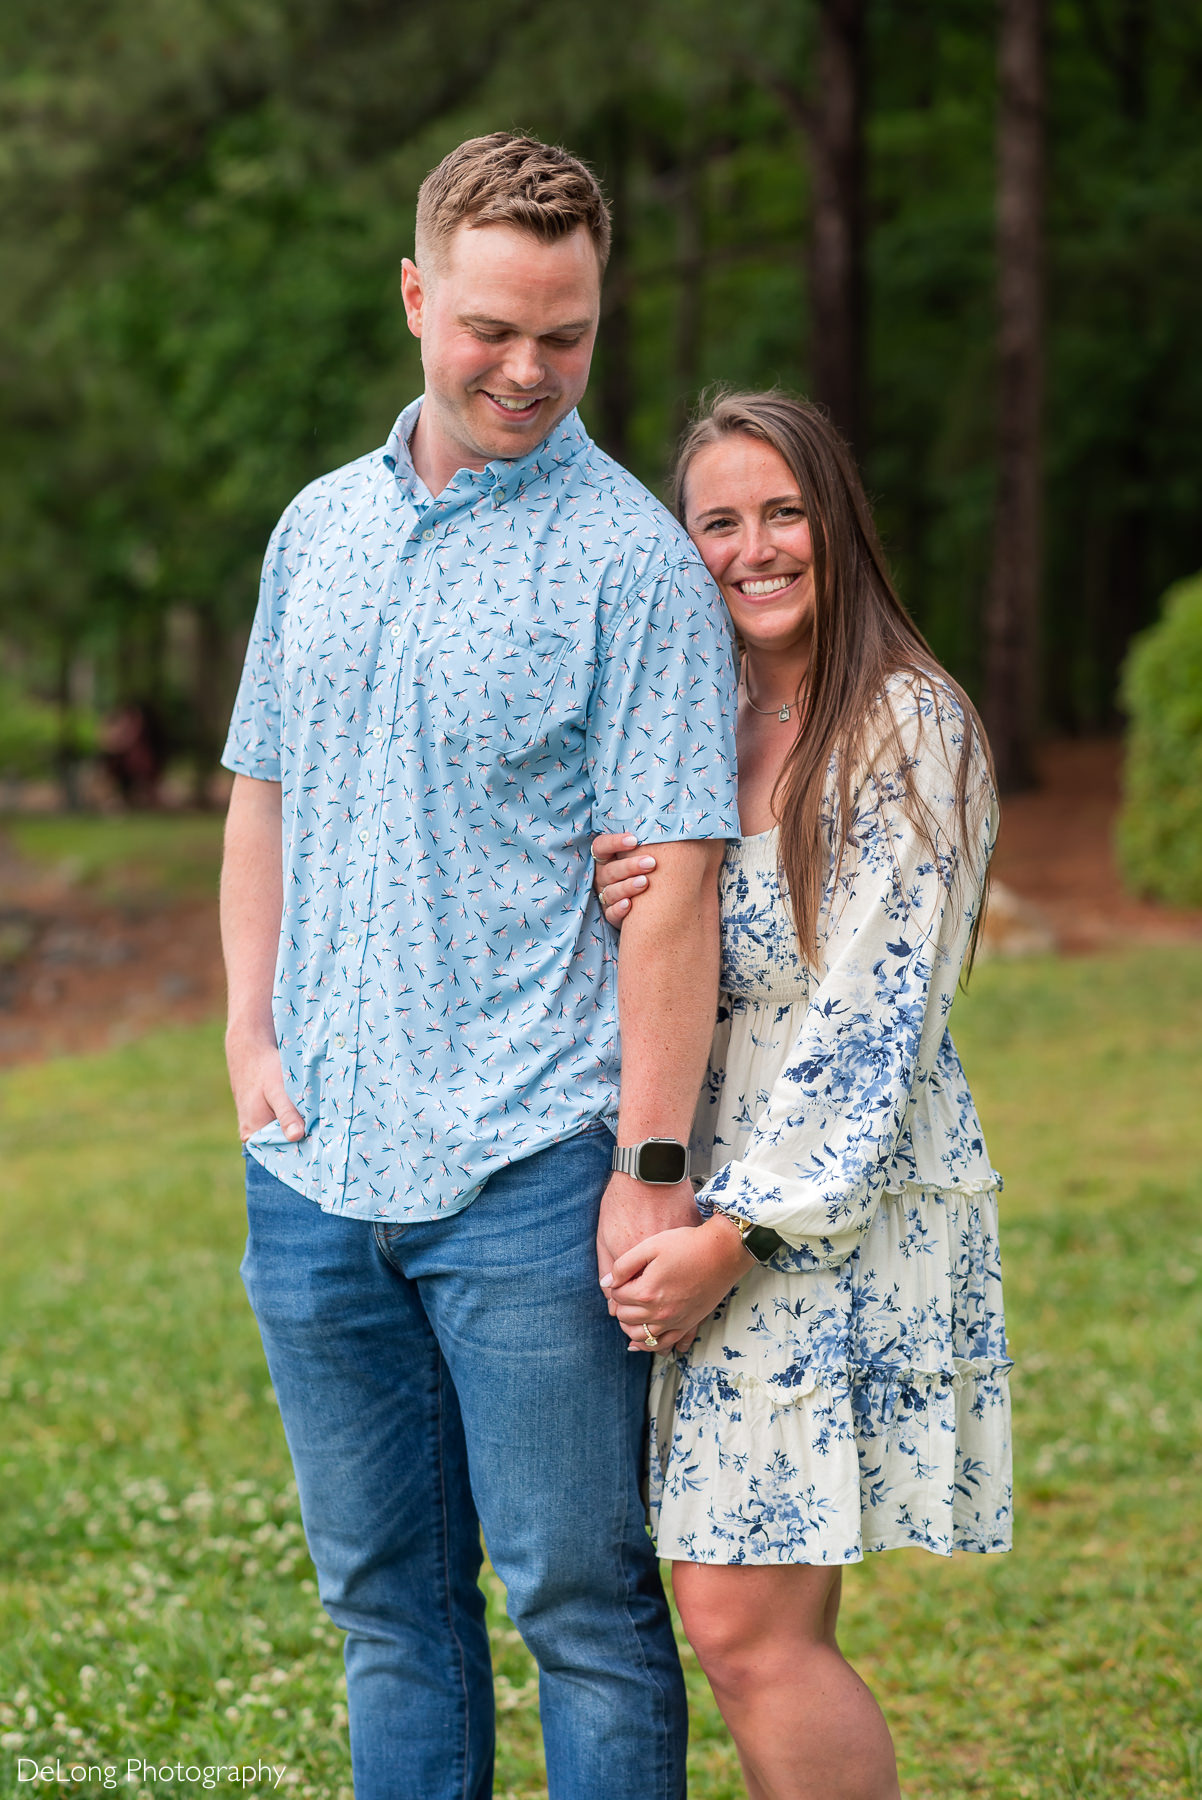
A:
204, 204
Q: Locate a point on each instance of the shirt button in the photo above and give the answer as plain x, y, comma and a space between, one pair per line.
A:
340, 1043
377, 731
363, 836
498, 494
395, 630
352, 938
427, 534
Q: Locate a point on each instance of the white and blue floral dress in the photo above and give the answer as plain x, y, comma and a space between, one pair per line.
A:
852, 1394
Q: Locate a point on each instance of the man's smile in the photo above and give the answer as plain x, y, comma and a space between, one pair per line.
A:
515, 406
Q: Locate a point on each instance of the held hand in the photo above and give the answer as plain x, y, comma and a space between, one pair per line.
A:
674, 1280
633, 1211
257, 1080
620, 872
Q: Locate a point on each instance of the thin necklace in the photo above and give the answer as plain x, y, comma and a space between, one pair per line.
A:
786, 706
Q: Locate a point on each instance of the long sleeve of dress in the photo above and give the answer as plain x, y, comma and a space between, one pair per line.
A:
895, 925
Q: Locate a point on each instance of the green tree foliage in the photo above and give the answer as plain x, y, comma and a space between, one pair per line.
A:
212, 318
1160, 830
204, 205
29, 733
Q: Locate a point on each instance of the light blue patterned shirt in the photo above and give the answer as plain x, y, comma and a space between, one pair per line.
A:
456, 694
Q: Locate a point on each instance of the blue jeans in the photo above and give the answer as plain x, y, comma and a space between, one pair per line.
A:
457, 1374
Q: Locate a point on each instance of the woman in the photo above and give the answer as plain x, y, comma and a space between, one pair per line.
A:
832, 1371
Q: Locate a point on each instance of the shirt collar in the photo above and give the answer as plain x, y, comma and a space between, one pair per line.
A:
504, 479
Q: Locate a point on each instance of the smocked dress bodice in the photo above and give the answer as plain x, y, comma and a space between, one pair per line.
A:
760, 957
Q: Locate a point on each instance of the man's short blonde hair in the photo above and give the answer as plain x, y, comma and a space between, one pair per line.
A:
506, 180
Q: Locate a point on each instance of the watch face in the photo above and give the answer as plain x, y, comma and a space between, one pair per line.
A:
662, 1160
763, 1242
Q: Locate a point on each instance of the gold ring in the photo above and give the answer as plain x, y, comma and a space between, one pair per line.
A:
601, 897
651, 1342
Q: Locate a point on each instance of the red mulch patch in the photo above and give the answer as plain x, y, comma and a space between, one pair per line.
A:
77, 976
1056, 850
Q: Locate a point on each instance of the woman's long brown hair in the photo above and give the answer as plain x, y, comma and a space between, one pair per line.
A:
862, 636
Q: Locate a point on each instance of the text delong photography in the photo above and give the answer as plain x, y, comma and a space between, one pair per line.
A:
148, 1774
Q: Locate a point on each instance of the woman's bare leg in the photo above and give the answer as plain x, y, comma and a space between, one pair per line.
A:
805, 1726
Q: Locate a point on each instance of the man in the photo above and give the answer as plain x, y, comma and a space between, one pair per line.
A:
473, 650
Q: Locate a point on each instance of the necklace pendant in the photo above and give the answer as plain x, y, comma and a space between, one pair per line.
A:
783, 714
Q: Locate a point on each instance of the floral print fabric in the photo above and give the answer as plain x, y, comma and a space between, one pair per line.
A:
852, 1395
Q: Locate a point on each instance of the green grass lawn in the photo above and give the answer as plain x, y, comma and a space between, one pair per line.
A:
155, 1597
123, 856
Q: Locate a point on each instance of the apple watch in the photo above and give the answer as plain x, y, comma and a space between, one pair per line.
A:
759, 1241
661, 1161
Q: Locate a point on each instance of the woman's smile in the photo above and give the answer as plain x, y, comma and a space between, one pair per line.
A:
766, 587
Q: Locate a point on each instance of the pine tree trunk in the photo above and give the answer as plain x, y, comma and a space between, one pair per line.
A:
615, 387
1012, 613
690, 239
835, 120
1129, 600
211, 702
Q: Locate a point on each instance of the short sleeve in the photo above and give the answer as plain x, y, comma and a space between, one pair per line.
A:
253, 744
661, 743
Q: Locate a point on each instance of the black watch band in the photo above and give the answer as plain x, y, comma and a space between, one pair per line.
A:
759, 1241
661, 1161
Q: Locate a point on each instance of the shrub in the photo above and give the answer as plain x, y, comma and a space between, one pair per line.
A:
1160, 826
29, 732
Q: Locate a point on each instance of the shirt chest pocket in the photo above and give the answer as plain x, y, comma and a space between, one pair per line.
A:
492, 689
